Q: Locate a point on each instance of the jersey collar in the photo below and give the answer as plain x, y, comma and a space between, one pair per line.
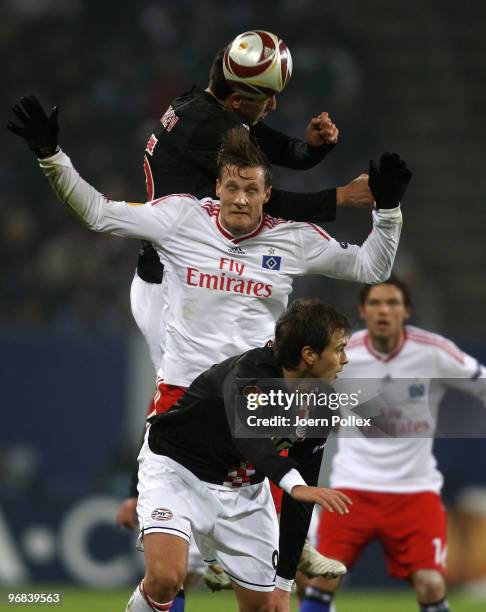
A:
380, 356
237, 240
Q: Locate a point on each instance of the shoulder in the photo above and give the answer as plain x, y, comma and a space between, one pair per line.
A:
357, 339
176, 199
260, 362
419, 337
203, 109
270, 223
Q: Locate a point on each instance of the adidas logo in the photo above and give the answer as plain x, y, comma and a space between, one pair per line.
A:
236, 250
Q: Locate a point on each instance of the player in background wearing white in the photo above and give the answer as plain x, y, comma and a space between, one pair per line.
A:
233, 266
394, 482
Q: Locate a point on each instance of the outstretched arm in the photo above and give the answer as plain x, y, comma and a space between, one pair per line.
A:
154, 221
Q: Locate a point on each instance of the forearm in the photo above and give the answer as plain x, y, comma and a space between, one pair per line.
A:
282, 150
369, 263
319, 207
378, 252
72, 190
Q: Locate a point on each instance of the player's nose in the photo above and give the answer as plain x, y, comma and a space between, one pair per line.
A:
240, 199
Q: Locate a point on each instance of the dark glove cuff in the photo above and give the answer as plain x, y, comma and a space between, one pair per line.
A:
47, 151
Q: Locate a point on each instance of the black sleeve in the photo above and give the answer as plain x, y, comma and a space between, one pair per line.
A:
259, 451
318, 207
295, 516
289, 152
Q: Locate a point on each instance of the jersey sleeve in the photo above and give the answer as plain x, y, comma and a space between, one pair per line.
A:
460, 371
260, 452
318, 207
371, 262
153, 221
282, 150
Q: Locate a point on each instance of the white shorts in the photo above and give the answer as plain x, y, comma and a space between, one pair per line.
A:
237, 528
148, 304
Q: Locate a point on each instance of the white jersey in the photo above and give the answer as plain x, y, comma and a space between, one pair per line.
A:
403, 464
224, 294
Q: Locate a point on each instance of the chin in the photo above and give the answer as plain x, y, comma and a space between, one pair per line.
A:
238, 229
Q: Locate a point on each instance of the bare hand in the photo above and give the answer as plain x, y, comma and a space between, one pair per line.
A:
127, 514
321, 130
356, 194
279, 601
329, 499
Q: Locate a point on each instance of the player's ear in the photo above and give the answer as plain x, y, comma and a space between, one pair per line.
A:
308, 355
408, 313
268, 193
360, 312
233, 101
218, 187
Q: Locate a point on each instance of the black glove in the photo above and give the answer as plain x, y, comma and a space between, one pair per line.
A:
38, 130
389, 182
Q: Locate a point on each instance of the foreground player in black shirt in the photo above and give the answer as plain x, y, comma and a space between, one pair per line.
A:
196, 479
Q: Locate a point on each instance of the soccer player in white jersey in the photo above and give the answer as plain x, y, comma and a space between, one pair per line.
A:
231, 265
394, 482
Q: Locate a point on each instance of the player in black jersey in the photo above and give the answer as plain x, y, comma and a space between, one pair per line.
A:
197, 480
180, 156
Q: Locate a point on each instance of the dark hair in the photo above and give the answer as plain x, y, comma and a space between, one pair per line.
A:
218, 84
307, 322
393, 280
238, 149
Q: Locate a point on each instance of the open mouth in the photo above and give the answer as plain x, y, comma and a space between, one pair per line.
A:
382, 324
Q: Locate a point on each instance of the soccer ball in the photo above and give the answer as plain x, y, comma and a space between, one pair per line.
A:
257, 64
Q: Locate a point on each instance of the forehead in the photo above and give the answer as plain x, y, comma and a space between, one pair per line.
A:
338, 338
385, 292
243, 175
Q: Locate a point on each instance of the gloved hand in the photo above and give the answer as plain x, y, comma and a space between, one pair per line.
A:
389, 182
38, 130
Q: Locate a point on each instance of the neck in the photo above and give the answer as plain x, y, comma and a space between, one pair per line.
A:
211, 92
302, 371
389, 344
236, 233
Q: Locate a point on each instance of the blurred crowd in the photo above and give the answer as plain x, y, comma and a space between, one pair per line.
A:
113, 70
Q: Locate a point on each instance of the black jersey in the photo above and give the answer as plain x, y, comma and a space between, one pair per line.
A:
196, 433
180, 157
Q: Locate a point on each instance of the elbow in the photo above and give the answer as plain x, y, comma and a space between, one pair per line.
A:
375, 276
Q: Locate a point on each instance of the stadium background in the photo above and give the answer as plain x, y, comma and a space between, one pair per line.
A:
404, 76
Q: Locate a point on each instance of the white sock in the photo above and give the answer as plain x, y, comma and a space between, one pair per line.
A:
141, 602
